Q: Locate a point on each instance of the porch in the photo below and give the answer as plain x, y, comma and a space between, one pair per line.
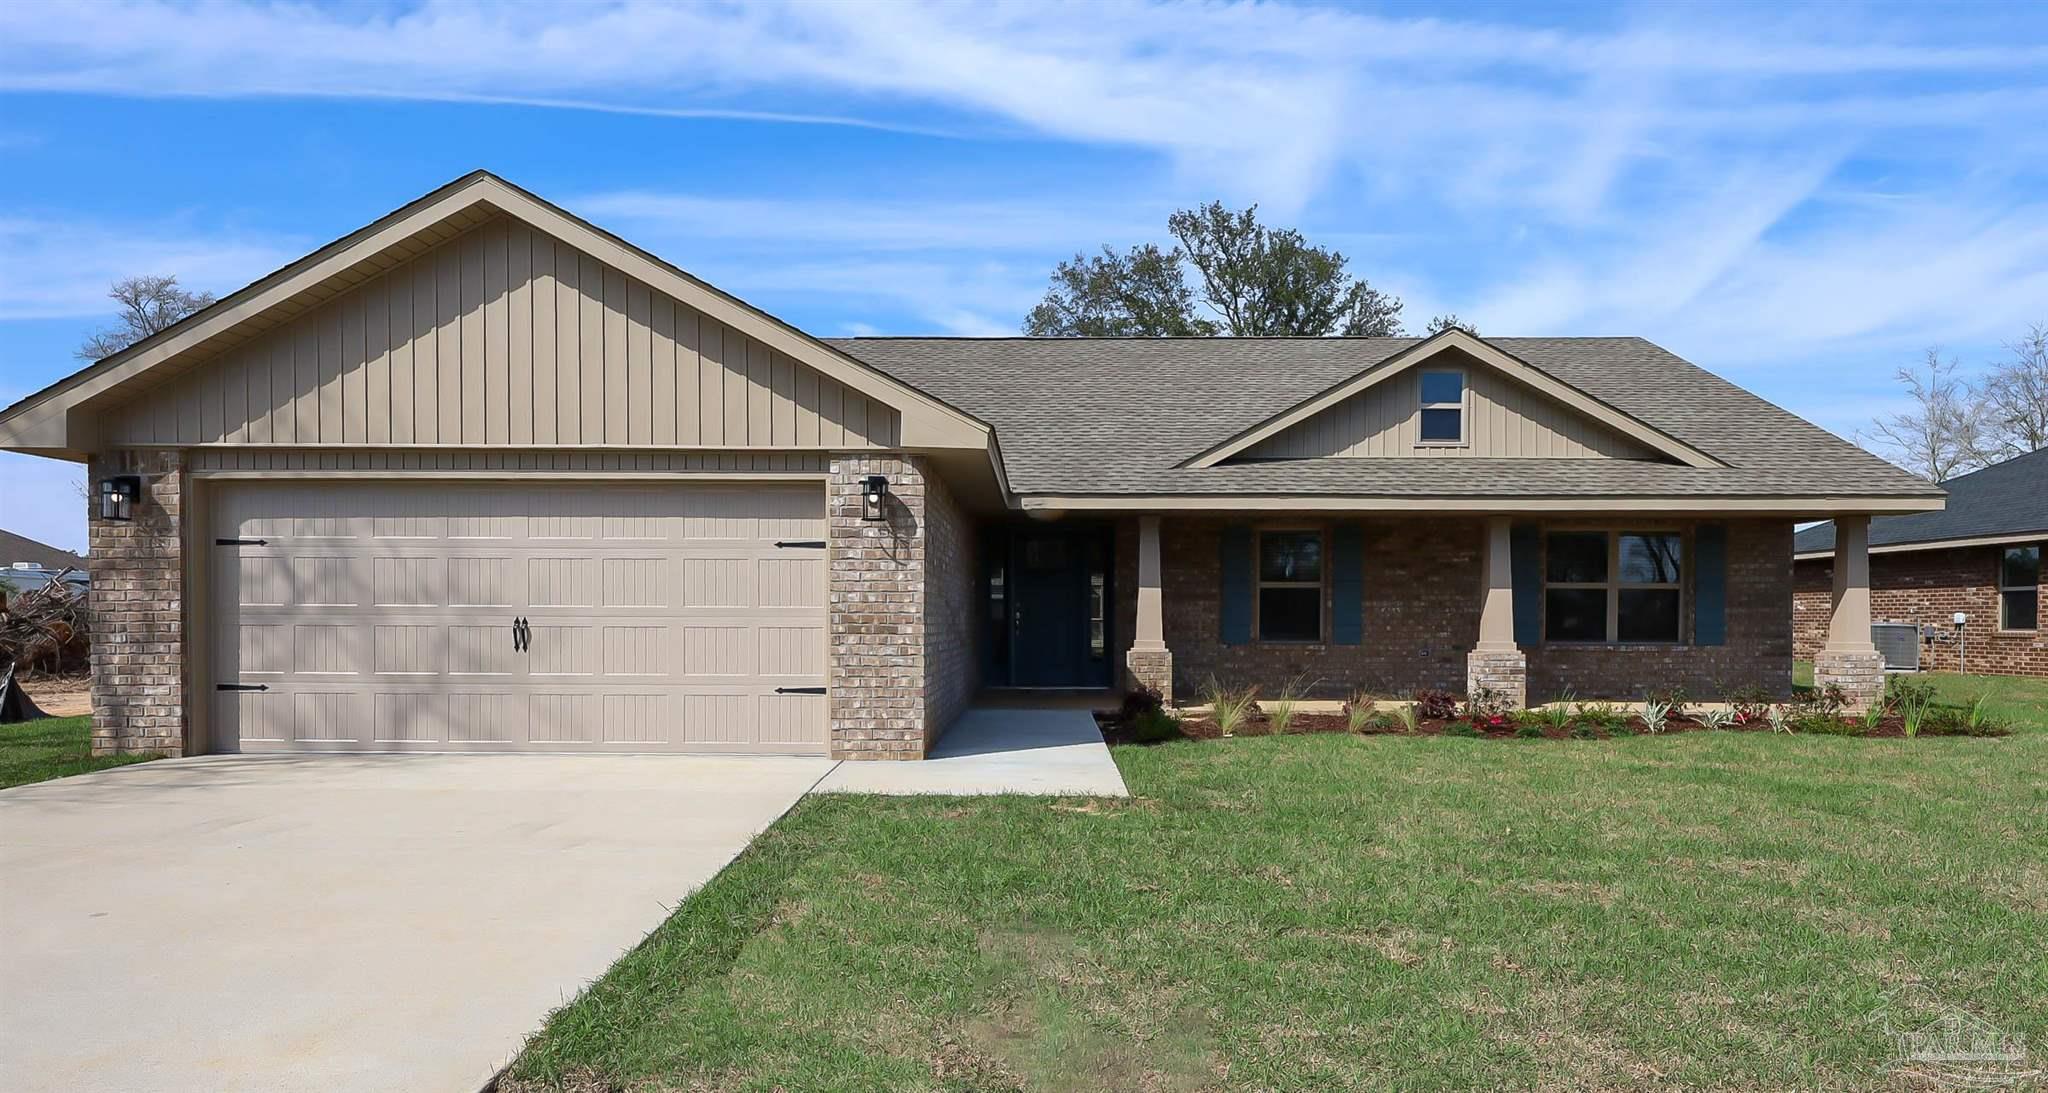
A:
1532, 609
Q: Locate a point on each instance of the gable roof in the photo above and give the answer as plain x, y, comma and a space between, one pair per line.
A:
20, 548
44, 422
1117, 418
2006, 500
1454, 340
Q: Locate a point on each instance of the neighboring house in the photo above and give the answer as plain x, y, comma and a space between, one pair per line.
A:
17, 550
1979, 557
480, 476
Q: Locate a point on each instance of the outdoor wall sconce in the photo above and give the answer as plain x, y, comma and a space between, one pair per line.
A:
118, 496
872, 498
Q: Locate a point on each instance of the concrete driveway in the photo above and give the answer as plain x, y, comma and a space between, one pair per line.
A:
340, 922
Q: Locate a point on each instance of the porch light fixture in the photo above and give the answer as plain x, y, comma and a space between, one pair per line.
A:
118, 496
872, 498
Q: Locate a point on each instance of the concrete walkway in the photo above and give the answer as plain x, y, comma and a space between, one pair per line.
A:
337, 923
993, 750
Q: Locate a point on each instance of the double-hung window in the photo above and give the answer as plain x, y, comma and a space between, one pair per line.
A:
1443, 408
1613, 586
1290, 586
2019, 588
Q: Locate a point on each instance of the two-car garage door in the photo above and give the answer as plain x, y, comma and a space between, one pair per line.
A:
392, 616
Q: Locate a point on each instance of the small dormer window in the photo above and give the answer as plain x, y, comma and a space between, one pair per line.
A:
1443, 408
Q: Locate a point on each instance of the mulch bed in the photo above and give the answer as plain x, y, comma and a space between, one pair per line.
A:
1117, 731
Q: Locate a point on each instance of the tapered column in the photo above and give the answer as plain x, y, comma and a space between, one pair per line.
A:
1496, 666
1149, 662
1849, 660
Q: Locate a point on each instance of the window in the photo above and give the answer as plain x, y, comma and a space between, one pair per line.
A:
2019, 588
1443, 408
1612, 586
1290, 586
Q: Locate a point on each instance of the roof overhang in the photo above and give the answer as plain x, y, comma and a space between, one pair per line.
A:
1486, 353
58, 421
1933, 544
1789, 507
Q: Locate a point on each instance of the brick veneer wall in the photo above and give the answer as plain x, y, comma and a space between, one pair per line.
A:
1421, 616
137, 605
952, 638
1926, 586
902, 652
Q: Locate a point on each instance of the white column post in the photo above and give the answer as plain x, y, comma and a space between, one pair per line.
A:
1150, 662
1849, 660
1496, 665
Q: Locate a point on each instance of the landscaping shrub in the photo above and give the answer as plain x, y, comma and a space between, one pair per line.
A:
1287, 704
1436, 705
1488, 709
1530, 732
1139, 702
1461, 728
1155, 726
1359, 713
1234, 709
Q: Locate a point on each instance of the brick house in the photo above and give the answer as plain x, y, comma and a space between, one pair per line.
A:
481, 476
1979, 557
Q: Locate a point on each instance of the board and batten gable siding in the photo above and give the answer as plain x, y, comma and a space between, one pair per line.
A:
1503, 420
504, 335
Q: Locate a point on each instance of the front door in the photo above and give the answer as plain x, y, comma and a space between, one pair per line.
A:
1059, 577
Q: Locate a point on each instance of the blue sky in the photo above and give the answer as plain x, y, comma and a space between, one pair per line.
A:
1801, 199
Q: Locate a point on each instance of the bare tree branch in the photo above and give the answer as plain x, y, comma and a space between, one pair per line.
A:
148, 304
1943, 434
2016, 396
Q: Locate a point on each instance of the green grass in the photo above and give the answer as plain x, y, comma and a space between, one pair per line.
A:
2023, 700
1718, 910
55, 747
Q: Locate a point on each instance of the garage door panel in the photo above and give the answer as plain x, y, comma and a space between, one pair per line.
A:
381, 616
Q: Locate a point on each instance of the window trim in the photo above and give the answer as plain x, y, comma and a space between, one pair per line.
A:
2003, 588
1320, 584
1614, 585
1463, 406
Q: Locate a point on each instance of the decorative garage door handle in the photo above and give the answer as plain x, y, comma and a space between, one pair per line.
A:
815, 544
799, 690
522, 635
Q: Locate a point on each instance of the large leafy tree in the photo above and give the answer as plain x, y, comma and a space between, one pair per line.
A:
148, 304
1254, 281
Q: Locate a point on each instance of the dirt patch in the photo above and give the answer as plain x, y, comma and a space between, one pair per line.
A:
61, 696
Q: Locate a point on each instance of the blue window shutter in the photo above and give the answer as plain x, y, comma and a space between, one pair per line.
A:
1710, 585
1236, 623
1347, 584
1525, 558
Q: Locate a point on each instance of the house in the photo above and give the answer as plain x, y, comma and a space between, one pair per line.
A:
482, 476
20, 551
1980, 557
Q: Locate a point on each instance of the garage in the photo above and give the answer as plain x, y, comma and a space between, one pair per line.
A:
392, 615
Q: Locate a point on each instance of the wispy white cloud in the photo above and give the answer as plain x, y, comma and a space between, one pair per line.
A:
61, 268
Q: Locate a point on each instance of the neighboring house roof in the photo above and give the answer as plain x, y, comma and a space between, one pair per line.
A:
20, 548
1112, 416
2007, 500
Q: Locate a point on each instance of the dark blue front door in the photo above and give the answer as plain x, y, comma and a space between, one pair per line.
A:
1059, 588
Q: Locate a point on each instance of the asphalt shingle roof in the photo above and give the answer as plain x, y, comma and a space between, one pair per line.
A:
2009, 498
20, 548
1118, 416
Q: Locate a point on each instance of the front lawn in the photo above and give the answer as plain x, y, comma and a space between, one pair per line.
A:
1712, 909
55, 747
2020, 699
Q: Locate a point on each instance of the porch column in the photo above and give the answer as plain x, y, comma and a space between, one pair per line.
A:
1149, 662
1496, 664
1849, 660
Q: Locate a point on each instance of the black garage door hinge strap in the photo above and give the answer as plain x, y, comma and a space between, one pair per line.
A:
815, 544
241, 686
241, 542
799, 690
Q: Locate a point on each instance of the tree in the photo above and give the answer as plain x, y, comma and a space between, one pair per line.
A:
148, 304
1450, 322
2015, 396
1943, 434
1255, 281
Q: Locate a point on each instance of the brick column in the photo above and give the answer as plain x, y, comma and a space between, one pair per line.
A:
137, 610
1849, 660
1496, 663
1149, 662
878, 611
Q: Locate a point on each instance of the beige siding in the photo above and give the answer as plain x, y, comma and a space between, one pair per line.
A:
1504, 420
503, 336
